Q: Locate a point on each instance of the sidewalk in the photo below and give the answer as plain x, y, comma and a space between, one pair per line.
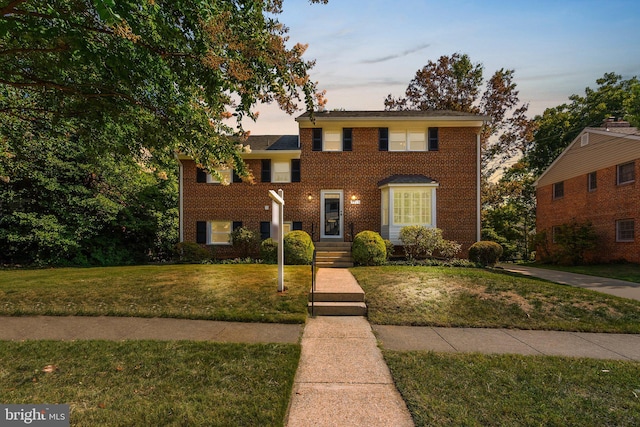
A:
342, 379
620, 288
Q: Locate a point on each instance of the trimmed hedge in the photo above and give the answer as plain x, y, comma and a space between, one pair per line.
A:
269, 251
298, 248
485, 253
369, 248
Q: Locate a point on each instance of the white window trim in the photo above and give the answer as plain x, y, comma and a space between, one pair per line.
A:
391, 230
405, 137
325, 139
210, 233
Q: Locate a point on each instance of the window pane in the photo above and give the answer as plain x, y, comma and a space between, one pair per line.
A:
281, 172
226, 176
558, 190
625, 230
412, 207
220, 231
417, 141
626, 173
332, 141
397, 141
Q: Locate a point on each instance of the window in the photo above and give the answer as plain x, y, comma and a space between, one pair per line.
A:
592, 181
385, 207
412, 206
281, 172
558, 190
626, 173
219, 233
417, 141
332, 141
383, 139
228, 175
397, 141
434, 140
625, 230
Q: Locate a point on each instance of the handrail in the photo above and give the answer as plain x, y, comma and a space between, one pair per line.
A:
313, 283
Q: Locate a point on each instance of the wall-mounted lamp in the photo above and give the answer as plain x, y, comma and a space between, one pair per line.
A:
354, 197
309, 197
355, 200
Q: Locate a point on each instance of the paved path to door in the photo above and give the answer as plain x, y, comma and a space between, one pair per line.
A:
620, 288
342, 378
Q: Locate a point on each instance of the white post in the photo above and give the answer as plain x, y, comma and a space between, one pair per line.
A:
277, 228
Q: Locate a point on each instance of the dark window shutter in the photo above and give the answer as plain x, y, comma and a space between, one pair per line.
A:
347, 139
265, 176
297, 225
295, 170
236, 177
236, 225
201, 175
201, 232
265, 230
383, 139
317, 139
433, 139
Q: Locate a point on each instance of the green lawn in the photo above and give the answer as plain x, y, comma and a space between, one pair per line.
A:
508, 390
622, 271
147, 383
215, 292
469, 297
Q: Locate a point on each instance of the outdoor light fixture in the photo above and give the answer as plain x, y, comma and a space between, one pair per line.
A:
309, 197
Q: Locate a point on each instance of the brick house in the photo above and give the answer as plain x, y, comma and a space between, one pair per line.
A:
594, 179
346, 172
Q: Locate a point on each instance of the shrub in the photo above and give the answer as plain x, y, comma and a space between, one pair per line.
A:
421, 242
575, 239
368, 248
245, 241
390, 248
269, 251
485, 253
448, 249
298, 248
190, 252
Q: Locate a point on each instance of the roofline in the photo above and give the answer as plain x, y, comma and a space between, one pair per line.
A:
600, 131
410, 184
322, 116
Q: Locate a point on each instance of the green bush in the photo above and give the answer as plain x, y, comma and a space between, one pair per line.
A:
421, 242
368, 248
190, 252
269, 251
485, 253
390, 248
448, 249
245, 241
298, 248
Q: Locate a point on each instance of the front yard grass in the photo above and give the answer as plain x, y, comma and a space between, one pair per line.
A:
149, 383
622, 271
246, 292
492, 390
469, 297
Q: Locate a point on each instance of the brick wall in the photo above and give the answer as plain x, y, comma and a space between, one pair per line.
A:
603, 206
357, 173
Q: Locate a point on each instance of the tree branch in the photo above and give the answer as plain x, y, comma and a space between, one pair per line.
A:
10, 8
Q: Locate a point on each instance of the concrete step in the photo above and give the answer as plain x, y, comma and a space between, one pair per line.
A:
338, 296
339, 309
334, 264
325, 246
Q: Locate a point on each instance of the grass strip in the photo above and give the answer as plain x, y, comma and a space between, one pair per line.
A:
145, 383
509, 390
471, 297
244, 292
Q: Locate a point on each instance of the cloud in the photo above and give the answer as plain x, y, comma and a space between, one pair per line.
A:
397, 55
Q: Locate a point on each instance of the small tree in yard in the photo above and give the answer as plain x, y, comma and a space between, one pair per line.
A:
574, 240
421, 242
245, 240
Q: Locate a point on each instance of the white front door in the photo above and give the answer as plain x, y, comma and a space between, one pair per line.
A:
331, 205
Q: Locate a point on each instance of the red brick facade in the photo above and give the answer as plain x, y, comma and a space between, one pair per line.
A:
357, 173
603, 207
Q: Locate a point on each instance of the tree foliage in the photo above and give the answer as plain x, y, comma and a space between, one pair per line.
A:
457, 84
557, 127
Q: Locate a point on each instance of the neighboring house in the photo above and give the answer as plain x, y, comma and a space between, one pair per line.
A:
595, 180
347, 171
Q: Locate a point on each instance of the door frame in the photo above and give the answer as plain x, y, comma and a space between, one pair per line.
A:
323, 194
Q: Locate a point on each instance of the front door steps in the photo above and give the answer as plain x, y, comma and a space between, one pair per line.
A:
333, 254
337, 294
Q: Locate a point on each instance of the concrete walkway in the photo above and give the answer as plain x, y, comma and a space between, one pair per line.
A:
342, 379
620, 288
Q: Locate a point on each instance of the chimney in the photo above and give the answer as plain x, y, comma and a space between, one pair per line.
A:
615, 122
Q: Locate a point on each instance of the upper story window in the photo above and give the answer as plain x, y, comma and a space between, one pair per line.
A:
408, 140
626, 173
332, 140
558, 190
280, 171
227, 175
592, 181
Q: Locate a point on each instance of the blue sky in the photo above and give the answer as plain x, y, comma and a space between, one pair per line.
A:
365, 50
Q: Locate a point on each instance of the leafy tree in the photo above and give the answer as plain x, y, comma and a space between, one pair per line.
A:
165, 74
559, 126
455, 83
